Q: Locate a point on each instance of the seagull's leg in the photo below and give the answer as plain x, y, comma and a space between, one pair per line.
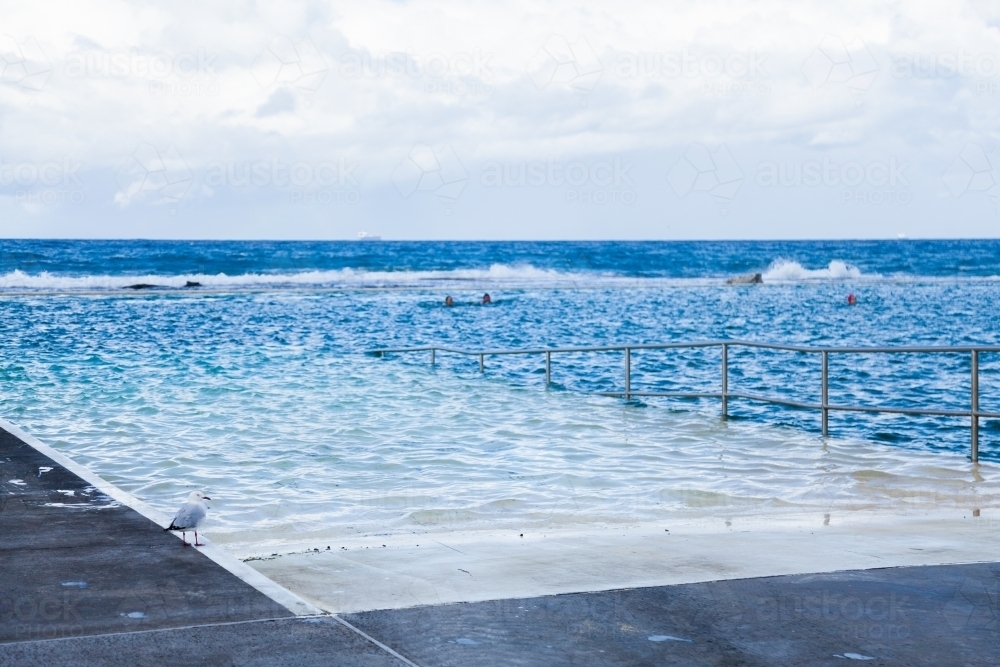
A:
196, 542
184, 539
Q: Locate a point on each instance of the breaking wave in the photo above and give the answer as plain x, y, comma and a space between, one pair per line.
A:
781, 271
496, 275
788, 271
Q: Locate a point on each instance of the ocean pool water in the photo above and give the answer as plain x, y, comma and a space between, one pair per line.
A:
256, 387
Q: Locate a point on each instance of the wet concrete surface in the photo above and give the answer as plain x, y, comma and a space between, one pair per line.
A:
74, 562
297, 641
85, 580
934, 615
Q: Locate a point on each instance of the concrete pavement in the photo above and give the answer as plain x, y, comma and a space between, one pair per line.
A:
86, 579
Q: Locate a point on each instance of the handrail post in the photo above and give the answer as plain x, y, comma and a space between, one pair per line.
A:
481, 363
725, 381
975, 406
548, 369
433, 350
826, 394
628, 373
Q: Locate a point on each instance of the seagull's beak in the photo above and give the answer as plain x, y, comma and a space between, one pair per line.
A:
205, 498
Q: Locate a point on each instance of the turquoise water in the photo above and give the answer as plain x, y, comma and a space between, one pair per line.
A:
254, 385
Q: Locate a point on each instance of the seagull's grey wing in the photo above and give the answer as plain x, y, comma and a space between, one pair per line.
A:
189, 517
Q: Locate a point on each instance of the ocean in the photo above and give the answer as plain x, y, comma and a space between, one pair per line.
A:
241, 368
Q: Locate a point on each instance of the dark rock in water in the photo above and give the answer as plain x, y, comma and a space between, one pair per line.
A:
192, 283
141, 286
746, 279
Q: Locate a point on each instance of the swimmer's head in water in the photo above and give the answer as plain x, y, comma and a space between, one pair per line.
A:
851, 299
487, 299
448, 301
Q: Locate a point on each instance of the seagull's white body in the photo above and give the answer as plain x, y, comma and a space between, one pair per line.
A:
190, 516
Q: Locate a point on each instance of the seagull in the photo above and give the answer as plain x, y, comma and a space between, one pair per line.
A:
190, 516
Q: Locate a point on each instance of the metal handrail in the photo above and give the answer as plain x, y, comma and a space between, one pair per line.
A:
974, 413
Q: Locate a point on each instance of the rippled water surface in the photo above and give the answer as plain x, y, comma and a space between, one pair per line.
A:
257, 389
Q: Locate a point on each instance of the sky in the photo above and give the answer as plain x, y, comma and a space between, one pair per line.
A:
740, 119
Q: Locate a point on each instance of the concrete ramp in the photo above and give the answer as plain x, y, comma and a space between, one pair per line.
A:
88, 577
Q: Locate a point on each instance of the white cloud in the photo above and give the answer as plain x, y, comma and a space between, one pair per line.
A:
561, 62
284, 62
273, 81
147, 171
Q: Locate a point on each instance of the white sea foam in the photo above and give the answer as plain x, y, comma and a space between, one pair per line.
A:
785, 270
780, 271
497, 274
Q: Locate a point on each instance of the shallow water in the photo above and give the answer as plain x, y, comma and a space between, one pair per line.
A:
267, 400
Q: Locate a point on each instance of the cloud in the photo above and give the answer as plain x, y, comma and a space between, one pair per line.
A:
702, 170
837, 62
149, 172
285, 62
437, 171
492, 82
974, 170
23, 64
280, 101
561, 62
